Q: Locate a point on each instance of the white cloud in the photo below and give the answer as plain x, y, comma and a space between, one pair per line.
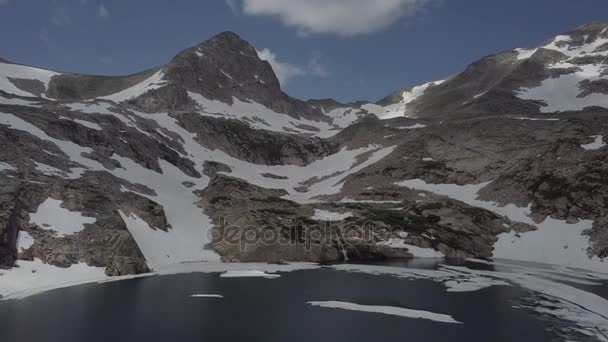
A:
284, 71
287, 71
233, 5
103, 12
3, 2
342, 17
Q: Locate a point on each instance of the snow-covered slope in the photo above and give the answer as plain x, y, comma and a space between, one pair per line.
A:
400, 109
153, 82
568, 73
586, 82
24, 80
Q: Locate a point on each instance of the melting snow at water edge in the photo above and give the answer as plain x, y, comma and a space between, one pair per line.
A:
544, 245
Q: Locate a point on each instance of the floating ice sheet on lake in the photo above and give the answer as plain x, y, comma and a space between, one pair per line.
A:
249, 274
388, 310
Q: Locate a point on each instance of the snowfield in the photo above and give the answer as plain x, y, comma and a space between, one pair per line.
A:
417, 252
554, 241
52, 216
324, 215
563, 93
596, 144
399, 109
23, 72
153, 82
523, 54
261, 117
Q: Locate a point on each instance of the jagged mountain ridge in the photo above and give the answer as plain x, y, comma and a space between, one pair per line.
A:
524, 80
202, 143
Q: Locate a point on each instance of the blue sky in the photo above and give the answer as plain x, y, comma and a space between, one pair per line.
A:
345, 49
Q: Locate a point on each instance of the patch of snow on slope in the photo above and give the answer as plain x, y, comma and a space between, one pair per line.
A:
49, 170
91, 107
595, 145
6, 167
416, 251
153, 82
17, 102
480, 95
399, 109
388, 310
414, 126
561, 44
84, 123
525, 53
104, 109
24, 241
51, 216
23, 72
261, 117
74, 151
332, 170
226, 74
324, 215
88, 124
562, 93
554, 242
344, 117
536, 119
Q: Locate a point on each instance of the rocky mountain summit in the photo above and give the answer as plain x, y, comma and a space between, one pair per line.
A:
206, 159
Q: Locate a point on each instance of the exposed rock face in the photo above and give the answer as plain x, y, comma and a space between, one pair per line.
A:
240, 141
16, 201
206, 157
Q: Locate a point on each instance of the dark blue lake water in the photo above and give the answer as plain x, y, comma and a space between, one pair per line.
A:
160, 308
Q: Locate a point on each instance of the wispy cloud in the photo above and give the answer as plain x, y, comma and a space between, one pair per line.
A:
84, 2
284, 71
103, 12
3, 2
233, 5
287, 71
341, 17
